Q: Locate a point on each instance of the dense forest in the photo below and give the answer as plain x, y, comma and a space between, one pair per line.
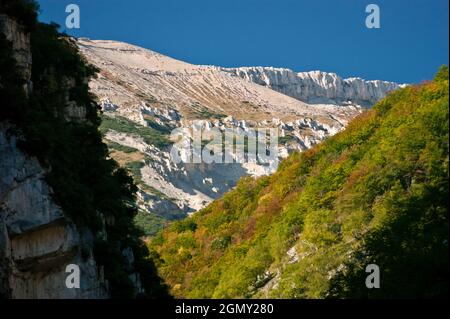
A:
89, 186
376, 193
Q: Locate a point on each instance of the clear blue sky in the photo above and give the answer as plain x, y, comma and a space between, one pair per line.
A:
302, 35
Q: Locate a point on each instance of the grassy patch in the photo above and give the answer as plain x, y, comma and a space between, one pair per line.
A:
119, 147
123, 125
156, 126
149, 223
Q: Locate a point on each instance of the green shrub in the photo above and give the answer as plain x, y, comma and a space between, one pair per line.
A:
150, 135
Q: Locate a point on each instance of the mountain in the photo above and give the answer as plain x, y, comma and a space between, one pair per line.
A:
318, 87
145, 95
130, 75
375, 193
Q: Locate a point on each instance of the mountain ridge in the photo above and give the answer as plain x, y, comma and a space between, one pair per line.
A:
323, 86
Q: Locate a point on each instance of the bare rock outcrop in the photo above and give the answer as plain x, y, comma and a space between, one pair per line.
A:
37, 240
317, 86
20, 41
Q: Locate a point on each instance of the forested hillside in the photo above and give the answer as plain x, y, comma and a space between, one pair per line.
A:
374, 193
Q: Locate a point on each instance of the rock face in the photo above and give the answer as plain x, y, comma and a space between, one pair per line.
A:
37, 239
190, 186
317, 86
20, 40
131, 76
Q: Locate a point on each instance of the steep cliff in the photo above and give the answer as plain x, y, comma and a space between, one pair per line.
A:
62, 200
20, 40
317, 87
37, 239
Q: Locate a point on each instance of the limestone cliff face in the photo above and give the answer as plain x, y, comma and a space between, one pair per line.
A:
37, 239
317, 86
20, 41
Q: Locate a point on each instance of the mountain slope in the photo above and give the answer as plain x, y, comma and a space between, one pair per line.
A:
145, 95
374, 193
130, 75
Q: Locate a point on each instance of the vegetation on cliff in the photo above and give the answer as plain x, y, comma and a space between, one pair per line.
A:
23, 11
60, 122
374, 193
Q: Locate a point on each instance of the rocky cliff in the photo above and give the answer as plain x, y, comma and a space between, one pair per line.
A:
316, 86
37, 239
16, 34
51, 213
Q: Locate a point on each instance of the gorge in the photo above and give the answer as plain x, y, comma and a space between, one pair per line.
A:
87, 177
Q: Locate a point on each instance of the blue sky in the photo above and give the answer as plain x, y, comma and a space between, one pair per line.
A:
303, 35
